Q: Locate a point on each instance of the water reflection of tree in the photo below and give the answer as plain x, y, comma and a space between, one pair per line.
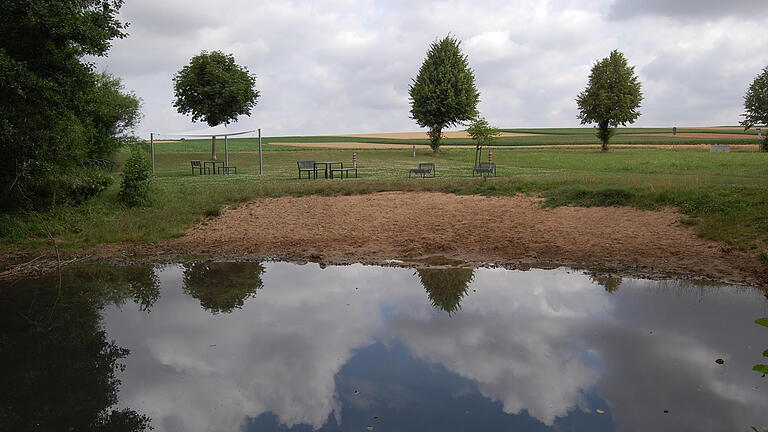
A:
59, 368
446, 287
222, 287
609, 283
119, 283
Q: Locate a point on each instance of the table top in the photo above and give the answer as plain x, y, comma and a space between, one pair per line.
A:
326, 163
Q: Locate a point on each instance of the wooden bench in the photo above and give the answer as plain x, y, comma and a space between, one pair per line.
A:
425, 169
343, 170
485, 168
307, 167
198, 165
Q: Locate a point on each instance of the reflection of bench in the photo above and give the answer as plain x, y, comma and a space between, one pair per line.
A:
343, 170
227, 169
307, 167
485, 168
425, 169
198, 165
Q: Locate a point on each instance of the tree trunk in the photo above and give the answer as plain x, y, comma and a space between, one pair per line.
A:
435, 134
213, 147
604, 134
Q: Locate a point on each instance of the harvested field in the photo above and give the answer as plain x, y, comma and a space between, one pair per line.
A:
403, 225
423, 135
383, 146
701, 135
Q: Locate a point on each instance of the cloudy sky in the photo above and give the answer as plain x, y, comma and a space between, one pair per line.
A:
344, 66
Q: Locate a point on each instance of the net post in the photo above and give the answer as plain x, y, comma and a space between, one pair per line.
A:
152, 151
261, 158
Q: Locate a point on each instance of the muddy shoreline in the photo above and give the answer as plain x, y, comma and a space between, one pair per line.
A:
418, 229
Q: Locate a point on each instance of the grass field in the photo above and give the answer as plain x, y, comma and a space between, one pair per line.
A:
725, 195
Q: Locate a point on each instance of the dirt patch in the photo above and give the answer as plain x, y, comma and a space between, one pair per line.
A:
703, 135
423, 135
402, 225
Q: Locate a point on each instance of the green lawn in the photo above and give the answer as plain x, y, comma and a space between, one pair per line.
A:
725, 195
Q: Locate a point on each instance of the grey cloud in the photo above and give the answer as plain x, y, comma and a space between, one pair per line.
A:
688, 9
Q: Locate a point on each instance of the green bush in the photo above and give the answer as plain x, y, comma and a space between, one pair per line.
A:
82, 185
136, 188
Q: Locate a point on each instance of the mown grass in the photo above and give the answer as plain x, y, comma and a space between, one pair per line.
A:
724, 195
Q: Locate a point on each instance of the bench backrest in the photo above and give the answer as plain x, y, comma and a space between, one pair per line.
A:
306, 164
427, 166
195, 163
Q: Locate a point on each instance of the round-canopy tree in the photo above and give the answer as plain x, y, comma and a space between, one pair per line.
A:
443, 93
756, 105
612, 96
215, 89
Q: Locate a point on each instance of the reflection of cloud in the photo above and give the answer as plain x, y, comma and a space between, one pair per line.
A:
519, 344
279, 354
661, 356
537, 341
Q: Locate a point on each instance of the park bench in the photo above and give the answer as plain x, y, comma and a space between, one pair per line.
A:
425, 169
227, 169
485, 168
343, 170
307, 167
198, 165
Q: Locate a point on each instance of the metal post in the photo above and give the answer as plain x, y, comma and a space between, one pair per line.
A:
261, 158
414, 151
152, 151
226, 152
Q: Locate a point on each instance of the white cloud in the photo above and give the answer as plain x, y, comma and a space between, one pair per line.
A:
345, 66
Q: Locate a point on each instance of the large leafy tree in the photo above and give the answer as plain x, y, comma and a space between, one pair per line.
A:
443, 93
46, 89
215, 89
113, 114
756, 105
612, 96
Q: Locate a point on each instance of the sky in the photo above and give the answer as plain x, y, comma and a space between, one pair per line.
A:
344, 66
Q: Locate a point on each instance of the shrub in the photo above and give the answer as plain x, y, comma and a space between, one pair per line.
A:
136, 187
83, 185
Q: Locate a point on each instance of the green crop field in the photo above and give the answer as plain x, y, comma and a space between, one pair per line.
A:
545, 137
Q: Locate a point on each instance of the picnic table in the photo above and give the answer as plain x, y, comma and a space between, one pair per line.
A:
327, 166
213, 163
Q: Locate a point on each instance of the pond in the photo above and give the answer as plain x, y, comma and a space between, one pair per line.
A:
278, 346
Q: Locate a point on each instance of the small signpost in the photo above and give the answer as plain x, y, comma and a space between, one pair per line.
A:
490, 156
414, 150
354, 159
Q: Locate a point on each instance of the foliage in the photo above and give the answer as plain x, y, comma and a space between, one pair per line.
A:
82, 185
443, 93
136, 187
446, 287
612, 96
113, 114
46, 90
483, 134
756, 105
222, 287
60, 369
213, 88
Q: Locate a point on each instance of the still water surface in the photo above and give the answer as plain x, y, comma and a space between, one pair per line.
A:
278, 346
